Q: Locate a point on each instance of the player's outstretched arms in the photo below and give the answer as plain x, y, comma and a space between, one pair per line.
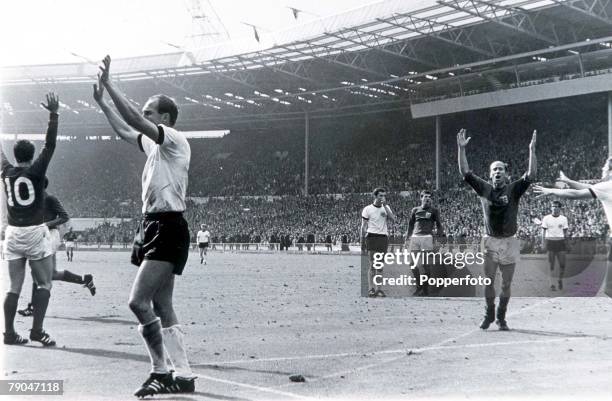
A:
540, 191
572, 184
122, 129
128, 112
533, 163
462, 142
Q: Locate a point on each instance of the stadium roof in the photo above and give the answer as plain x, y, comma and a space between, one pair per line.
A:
379, 57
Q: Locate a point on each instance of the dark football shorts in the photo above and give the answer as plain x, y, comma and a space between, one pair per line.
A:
556, 245
164, 237
377, 242
202, 245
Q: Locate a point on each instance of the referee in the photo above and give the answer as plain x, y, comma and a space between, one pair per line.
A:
375, 235
500, 200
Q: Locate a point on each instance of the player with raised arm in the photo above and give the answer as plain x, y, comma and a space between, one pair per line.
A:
500, 201
55, 216
27, 238
601, 191
161, 246
374, 235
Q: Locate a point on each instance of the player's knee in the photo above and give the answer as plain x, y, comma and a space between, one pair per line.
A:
137, 306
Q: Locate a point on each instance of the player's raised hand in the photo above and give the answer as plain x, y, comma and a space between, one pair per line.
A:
541, 192
98, 90
462, 141
532, 144
52, 103
105, 70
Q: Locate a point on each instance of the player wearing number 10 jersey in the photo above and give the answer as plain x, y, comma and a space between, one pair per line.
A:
26, 235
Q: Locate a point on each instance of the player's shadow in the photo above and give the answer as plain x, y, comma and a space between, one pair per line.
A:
553, 333
143, 358
212, 366
97, 319
102, 353
202, 394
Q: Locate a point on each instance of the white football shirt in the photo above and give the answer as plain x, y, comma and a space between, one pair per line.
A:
377, 219
603, 192
203, 236
554, 226
165, 174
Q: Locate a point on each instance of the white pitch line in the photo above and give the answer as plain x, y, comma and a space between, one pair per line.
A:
438, 345
347, 354
499, 343
435, 345
444, 347
258, 388
299, 357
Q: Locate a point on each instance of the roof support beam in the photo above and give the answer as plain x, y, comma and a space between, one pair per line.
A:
385, 44
447, 33
511, 17
596, 9
351, 60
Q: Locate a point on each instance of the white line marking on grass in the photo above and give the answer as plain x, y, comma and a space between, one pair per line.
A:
253, 387
438, 345
347, 354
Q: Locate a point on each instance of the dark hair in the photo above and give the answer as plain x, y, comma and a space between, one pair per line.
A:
46, 182
426, 192
556, 203
23, 151
165, 104
378, 190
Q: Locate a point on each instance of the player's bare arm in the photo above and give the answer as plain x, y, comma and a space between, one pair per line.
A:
390, 215
122, 129
462, 142
572, 184
563, 193
364, 230
128, 112
533, 163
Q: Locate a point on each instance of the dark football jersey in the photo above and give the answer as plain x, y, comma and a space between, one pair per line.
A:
55, 214
422, 221
499, 205
70, 236
25, 186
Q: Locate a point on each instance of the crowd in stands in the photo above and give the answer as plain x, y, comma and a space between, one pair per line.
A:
320, 219
348, 159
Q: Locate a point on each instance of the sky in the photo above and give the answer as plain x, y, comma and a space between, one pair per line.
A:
68, 31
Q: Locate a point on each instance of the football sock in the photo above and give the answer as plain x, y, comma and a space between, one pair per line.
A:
10, 309
152, 335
